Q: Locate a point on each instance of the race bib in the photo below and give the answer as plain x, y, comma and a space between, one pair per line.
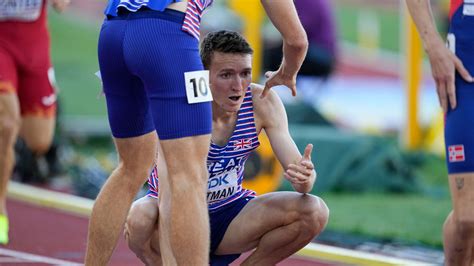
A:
451, 42
222, 186
24, 10
468, 8
197, 86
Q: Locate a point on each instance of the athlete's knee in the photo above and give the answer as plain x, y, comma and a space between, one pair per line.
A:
137, 155
39, 145
140, 219
464, 223
314, 214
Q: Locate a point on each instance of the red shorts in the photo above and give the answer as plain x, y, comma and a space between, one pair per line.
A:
25, 66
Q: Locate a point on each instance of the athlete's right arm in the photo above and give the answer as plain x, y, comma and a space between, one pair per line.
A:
271, 114
443, 61
283, 15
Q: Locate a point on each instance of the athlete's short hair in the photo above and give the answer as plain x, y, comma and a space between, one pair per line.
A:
224, 41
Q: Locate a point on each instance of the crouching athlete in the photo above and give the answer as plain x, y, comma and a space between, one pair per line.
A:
274, 225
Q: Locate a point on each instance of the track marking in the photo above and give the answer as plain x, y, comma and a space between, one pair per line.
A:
330, 253
52, 199
35, 258
82, 206
13, 260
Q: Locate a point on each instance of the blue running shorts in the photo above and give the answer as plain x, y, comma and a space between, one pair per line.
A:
459, 128
143, 58
220, 220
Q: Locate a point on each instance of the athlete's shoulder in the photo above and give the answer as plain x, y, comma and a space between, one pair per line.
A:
268, 108
271, 100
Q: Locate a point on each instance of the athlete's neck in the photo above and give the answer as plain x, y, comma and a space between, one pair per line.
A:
223, 125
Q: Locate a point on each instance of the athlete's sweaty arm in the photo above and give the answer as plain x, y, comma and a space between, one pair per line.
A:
299, 170
283, 15
443, 62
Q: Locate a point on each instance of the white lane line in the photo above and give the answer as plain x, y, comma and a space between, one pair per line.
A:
330, 253
36, 258
52, 199
14, 260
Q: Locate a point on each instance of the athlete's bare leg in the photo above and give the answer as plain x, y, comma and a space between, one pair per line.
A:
141, 230
37, 132
277, 225
459, 226
9, 128
184, 219
136, 159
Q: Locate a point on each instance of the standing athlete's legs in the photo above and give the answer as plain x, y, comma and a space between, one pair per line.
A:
184, 220
38, 107
459, 131
135, 140
35, 100
181, 194
164, 56
459, 226
276, 224
136, 158
9, 127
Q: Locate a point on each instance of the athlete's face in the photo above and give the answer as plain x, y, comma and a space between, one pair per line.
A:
230, 75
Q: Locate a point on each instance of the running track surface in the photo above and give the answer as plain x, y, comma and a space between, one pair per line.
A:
44, 236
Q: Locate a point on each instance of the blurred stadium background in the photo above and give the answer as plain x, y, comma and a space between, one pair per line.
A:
375, 124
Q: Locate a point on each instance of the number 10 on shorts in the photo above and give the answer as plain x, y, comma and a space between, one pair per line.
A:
197, 86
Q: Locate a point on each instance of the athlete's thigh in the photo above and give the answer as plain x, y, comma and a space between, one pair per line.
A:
36, 79
37, 98
127, 102
9, 110
9, 105
459, 128
258, 217
8, 72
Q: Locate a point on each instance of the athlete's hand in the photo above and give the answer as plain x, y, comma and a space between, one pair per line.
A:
443, 67
302, 173
275, 78
60, 5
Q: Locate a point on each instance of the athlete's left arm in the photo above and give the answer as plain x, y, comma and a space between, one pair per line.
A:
60, 5
299, 169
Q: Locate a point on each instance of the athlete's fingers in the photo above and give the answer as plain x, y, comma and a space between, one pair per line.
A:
462, 70
307, 152
289, 177
300, 168
308, 164
441, 89
293, 90
268, 83
292, 179
297, 175
451, 93
265, 90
